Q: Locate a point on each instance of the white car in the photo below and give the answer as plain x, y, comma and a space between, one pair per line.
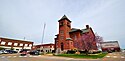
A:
4, 51
1, 52
123, 50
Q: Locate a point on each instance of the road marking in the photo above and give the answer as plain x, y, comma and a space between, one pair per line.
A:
34, 56
114, 56
69, 58
122, 57
39, 55
3, 57
107, 56
14, 56
20, 56
8, 56
24, 56
30, 56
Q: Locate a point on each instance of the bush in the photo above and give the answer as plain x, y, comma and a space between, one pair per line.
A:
82, 52
53, 51
95, 52
70, 52
2, 48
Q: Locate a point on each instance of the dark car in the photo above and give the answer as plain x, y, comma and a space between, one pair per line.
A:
23, 50
11, 51
35, 52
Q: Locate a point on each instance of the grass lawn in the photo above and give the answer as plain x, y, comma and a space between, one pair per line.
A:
83, 55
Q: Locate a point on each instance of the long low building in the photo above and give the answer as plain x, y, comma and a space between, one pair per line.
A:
8, 43
44, 47
110, 46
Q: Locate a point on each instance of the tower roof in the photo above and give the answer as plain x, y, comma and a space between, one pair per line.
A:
64, 17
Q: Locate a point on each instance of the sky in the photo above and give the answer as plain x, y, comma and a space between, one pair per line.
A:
26, 18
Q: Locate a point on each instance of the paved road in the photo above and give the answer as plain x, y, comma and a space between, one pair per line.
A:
117, 56
16, 57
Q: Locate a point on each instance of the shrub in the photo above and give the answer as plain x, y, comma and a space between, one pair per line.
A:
2, 48
95, 52
53, 51
82, 52
71, 52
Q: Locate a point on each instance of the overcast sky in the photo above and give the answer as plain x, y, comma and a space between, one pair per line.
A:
25, 18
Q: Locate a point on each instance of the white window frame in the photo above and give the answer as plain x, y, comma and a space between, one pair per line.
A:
21, 44
26, 45
52, 46
9, 43
3, 43
15, 44
30, 45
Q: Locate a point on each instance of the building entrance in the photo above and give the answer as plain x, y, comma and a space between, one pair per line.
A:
62, 47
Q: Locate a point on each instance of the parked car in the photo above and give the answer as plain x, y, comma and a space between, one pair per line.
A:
4, 51
34, 52
23, 50
11, 51
23, 53
1, 52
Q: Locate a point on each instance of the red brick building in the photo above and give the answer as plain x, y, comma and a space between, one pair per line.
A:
72, 38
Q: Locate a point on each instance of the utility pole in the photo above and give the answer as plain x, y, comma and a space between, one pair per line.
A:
24, 38
42, 37
24, 46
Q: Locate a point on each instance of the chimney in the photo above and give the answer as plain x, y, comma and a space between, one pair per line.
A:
87, 26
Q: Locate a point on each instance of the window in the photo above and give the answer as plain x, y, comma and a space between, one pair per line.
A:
71, 43
61, 32
68, 24
9, 43
75, 37
52, 46
67, 43
61, 24
30, 45
21, 44
26, 44
3, 43
61, 38
15, 44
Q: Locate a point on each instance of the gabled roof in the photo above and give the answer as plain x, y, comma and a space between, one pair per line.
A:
64, 17
84, 30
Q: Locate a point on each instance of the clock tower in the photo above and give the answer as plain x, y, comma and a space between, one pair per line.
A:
64, 40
